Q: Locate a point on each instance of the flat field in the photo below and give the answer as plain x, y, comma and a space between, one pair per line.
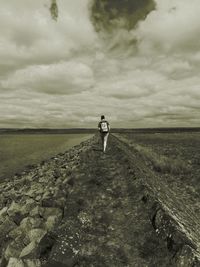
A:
172, 155
20, 150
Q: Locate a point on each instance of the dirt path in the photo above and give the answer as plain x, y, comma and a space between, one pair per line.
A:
105, 222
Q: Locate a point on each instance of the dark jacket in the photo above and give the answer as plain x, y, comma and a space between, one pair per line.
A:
100, 127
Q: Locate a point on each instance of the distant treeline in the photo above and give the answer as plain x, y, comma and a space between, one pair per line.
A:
92, 130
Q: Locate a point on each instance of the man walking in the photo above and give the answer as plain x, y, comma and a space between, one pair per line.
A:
104, 129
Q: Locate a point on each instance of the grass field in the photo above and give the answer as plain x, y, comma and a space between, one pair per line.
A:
18, 151
174, 155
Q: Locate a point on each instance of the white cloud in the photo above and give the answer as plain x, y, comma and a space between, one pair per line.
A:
174, 25
61, 78
61, 74
30, 36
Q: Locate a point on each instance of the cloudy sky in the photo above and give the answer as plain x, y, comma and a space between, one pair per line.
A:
136, 61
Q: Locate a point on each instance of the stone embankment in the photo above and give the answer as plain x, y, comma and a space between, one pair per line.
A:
174, 215
84, 208
32, 205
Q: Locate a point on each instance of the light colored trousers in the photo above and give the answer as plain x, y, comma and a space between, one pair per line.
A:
104, 139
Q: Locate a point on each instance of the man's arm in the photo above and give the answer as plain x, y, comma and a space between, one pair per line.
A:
108, 126
99, 126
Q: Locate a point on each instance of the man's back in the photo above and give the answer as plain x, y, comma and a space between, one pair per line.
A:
104, 129
103, 126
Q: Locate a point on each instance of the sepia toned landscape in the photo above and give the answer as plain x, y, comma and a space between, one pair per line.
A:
136, 205
99, 133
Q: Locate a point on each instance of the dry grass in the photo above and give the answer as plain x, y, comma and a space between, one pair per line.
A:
162, 163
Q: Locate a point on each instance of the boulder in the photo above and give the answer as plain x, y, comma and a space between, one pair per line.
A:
14, 262
19, 235
17, 211
7, 226
65, 182
30, 251
14, 208
35, 211
29, 205
38, 198
45, 212
43, 179
16, 232
51, 222
13, 250
29, 223
35, 191
46, 194
35, 235
3, 211
3, 214
41, 243
55, 212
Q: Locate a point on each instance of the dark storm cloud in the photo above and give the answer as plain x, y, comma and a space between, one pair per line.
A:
109, 14
115, 20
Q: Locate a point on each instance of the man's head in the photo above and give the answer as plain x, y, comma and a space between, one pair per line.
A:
102, 117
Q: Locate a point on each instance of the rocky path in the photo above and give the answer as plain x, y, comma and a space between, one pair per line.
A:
105, 222
83, 208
